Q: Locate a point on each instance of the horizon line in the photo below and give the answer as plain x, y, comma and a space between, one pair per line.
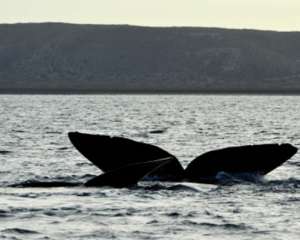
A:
151, 26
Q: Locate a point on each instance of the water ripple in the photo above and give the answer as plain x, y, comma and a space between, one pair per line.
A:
41, 173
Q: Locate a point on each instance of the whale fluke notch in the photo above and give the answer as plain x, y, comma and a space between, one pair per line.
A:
258, 159
128, 175
110, 153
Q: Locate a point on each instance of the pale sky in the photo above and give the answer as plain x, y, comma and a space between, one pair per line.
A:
283, 15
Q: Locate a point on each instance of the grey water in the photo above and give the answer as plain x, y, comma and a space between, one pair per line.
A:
34, 148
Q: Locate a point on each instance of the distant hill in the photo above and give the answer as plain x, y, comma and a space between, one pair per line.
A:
68, 57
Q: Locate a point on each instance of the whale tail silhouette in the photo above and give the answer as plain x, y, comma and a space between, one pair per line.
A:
110, 153
255, 159
117, 156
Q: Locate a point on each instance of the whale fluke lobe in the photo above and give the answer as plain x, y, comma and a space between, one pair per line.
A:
257, 159
110, 153
128, 175
125, 162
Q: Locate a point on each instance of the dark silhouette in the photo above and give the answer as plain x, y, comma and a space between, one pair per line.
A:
258, 159
110, 153
122, 160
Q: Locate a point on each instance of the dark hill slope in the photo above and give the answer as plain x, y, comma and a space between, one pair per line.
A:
55, 56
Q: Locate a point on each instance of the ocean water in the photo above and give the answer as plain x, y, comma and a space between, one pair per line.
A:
34, 148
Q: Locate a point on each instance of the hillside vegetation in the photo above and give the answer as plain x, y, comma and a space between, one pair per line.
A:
67, 57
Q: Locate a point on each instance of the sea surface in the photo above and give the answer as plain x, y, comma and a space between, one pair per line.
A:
34, 149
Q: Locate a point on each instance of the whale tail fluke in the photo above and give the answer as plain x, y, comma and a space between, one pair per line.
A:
111, 153
117, 156
256, 159
128, 175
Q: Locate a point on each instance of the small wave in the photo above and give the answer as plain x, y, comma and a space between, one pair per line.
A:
177, 187
53, 132
19, 231
4, 214
5, 152
294, 163
225, 178
45, 184
18, 131
283, 185
181, 187
122, 214
153, 222
246, 178
226, 226
293, 199
173, 214
158, 131
80, 164
62, 212
284, 181
63, 148
290, 185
